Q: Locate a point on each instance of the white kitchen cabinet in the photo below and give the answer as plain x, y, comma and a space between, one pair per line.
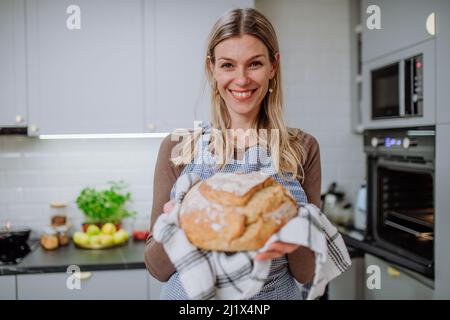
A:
154, 287
403, 24
443, 61
13, 108
104, 285
86, 80
349, 285
180, 37
8, 287
396, 283
442, 216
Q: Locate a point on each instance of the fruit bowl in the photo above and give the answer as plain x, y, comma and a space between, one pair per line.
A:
99, 246
95, 238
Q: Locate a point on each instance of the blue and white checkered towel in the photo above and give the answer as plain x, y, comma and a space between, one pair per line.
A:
219, 275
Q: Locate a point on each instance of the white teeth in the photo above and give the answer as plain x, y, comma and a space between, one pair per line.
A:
244, 94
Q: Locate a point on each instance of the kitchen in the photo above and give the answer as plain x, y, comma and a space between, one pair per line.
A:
86, 98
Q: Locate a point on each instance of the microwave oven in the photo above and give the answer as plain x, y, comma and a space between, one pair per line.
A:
404, 77
399, 89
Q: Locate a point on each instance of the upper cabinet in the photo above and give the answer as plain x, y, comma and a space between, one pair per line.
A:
181, 29
118, 66
442, 59
86, 66
403, 23
13, 108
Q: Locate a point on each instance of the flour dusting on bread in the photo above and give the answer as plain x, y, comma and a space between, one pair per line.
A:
222, 182
235, 212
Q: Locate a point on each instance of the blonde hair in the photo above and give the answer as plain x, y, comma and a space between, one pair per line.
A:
291, 155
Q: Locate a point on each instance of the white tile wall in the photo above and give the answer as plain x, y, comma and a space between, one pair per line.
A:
314, 37
34, 173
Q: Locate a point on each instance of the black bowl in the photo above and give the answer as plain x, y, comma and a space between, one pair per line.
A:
14, 235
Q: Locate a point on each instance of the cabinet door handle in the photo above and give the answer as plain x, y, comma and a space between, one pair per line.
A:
34, 128
83, 275
430, 25
20, 119
151, 127
392, 272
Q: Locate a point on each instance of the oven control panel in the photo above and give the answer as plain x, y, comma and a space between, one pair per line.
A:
393, 142
399, 140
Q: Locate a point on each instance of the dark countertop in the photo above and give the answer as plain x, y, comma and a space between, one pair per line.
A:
129, 256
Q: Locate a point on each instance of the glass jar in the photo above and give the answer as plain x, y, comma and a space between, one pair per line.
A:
58, 213
49, 239
63, 235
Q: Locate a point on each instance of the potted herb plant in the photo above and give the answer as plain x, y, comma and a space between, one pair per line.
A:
109, 205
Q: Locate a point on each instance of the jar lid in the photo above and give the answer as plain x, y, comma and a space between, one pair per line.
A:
58, 204
63, 228
49, 230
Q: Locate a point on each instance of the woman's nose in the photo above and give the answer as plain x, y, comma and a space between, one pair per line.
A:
242, 78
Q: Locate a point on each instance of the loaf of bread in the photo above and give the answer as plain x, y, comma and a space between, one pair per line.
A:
235, 212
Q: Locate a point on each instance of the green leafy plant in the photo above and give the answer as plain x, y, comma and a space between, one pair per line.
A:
105, 205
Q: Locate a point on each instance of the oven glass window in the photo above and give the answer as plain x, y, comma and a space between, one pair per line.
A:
406, 209
385, 92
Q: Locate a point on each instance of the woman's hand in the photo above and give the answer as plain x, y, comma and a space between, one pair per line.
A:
169, 206
277, 250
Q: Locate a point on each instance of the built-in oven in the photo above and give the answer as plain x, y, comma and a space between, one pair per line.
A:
401, 194
399, 90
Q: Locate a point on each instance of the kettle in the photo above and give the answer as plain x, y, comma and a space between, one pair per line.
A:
334, 206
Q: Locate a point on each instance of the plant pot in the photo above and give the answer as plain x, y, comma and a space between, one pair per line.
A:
85, 225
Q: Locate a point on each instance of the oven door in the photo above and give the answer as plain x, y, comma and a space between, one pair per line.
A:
402, 207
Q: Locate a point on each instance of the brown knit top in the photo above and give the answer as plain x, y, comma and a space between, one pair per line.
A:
301, 261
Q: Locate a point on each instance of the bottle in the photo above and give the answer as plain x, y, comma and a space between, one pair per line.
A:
361, 209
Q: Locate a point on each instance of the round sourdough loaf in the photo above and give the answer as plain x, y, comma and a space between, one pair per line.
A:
235, 212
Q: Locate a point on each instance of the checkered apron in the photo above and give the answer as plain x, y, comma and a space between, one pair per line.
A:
280, 284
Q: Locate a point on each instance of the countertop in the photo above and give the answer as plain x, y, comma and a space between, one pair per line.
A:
129, 256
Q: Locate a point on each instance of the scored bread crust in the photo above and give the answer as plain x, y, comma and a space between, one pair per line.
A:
235, 212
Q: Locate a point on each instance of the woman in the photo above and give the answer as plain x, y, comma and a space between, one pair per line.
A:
243, 67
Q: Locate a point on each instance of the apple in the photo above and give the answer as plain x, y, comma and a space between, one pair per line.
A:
94, 240
92, 230
106, 239
120, 236
108, 228
80, 238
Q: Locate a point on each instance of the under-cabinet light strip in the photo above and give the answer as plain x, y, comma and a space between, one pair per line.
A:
103, 136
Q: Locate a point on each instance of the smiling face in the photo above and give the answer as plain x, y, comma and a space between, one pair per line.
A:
242, 70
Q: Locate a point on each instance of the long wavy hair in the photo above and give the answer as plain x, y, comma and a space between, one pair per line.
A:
287, 153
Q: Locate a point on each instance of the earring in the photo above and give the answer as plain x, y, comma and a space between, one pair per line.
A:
274, 85
215, 89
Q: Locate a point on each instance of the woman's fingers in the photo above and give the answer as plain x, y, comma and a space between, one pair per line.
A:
283, 247
266, 255
169, 206
277, 250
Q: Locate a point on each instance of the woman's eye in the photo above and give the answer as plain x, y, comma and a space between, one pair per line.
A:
255, 64
226, 65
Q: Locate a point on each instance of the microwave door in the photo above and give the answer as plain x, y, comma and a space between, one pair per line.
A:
385, 91
401, 87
